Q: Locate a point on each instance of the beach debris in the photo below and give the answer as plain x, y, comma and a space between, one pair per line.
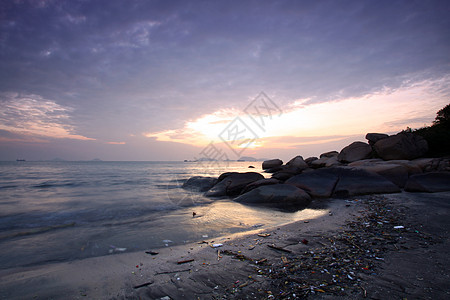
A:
218, 254
152, 252
143, 284
165, 298
203, 242
337, 264
204, 236
305, 241
257, 225
185, 261
166, 242
216, 245
118, 249
399, 227
194, 214
171, 272
306, 221
263, 234
279, 248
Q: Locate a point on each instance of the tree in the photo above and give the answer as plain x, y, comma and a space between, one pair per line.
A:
443, 115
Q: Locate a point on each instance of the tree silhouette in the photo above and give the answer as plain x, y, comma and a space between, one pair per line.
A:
438, 134
443, 115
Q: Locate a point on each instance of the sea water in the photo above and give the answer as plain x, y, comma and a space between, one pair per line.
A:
62, 211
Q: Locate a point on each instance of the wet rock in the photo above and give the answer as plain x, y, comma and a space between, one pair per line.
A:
258, 183
318, 183
403, 145
284, 174
375, 137
355, 151
271, 163
199, 183
273, 170
232, 184
276, 194
429, 182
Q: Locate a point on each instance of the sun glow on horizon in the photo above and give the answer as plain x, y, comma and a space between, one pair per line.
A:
387, 111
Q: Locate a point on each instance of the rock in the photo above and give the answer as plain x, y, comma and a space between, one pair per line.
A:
232, 183
271, 163
318, 183
355, 151
424, 163
410, 166
396, 173
375, 137
324, 162
433, 164
258, 183
329, 154
309, 160
273, 170
298, 163
403, 145
199, 183
360, 182
281, 194
284, 174
225, 175
429, 182
332, 161
366, 162
251, 167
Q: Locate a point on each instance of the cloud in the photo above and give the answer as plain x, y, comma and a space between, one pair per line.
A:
303, 123
31, 115
116, 143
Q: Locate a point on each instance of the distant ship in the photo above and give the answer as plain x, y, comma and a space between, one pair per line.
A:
19, 159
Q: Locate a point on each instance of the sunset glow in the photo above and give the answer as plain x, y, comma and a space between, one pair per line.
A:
146, 80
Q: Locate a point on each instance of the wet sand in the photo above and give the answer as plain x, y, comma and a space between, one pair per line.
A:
351, 251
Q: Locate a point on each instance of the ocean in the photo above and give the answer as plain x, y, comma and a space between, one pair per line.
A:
63, 211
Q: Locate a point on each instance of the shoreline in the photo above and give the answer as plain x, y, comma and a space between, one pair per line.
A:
246, 267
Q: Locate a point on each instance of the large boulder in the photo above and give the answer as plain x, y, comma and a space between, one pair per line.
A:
284, 174
329, 154
325, 162
309, 160
271, 163
199, 183
396, 173
403, 145
318, 183
232, 184
258, 183
375, 137
277, 194
297, 163
360, 182
355, 151
429, 182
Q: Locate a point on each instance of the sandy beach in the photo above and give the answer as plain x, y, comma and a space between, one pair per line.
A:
376, 247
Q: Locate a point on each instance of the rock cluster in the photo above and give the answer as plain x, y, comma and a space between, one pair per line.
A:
386, 164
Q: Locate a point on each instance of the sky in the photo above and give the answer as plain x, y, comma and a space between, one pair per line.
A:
175, 80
